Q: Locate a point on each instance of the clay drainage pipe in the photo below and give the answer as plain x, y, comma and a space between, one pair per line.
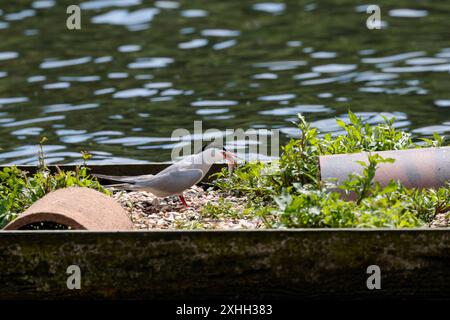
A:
414, 168
74, 208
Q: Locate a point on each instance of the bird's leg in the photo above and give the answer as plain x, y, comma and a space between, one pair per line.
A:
183, 201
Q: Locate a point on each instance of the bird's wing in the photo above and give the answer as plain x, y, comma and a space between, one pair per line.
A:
172, 182
127, 179
182, 164
195, 161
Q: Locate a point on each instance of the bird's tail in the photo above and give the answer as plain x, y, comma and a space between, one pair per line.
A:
126, 179
121, 186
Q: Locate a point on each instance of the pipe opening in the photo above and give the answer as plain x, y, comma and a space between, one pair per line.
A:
45, 225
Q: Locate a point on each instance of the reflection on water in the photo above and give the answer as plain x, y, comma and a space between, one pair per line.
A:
138, 70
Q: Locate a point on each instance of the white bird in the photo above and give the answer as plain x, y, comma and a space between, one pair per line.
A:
176, 178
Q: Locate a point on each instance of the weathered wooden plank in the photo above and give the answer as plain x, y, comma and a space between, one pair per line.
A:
300, 264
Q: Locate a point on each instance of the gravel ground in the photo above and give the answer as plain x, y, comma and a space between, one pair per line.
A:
150, 212
441, 220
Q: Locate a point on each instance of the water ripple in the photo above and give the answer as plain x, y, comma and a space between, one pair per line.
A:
32, 131
104, 91
129, 48
280, 65
8, 55
408, 13
67, 107
394, 58
211, 111
125, 17
277, 97
4, 101
117, 75
442, 103
296, 109
334, 68
21, 15
265, 76
80, 79
51, 64
56, 85
194, 13
134, 141
150, 63
32, 121
425, 61
214, 103
167, 4
323, 55
43, 4
192, 44
101, 4
270, 7
133, 93
220, 33
36, 78
224, 44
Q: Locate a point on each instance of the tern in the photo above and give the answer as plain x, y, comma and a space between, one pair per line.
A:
176, 178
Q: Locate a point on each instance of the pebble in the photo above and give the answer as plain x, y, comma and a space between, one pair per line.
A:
441, 220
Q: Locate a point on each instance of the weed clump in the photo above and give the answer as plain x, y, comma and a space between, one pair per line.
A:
288, 193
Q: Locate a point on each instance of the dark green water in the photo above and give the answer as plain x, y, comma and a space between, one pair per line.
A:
137, 70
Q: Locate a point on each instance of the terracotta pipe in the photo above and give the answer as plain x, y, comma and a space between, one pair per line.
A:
414, 168
77, 209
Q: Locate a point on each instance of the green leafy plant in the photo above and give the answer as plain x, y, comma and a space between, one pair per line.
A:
221, 209
392, 206
362, 185
289, 193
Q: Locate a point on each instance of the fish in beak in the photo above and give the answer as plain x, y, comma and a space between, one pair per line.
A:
230, 159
